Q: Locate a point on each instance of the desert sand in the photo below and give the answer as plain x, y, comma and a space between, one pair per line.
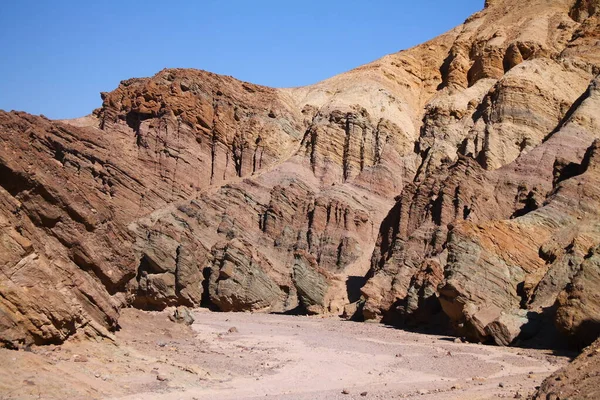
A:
251, 355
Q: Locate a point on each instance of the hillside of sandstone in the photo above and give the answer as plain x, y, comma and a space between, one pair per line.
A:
454, 183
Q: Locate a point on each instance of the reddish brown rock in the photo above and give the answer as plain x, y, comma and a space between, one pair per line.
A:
189, 188
578, 380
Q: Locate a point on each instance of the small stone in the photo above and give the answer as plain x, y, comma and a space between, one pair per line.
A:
423, 392
161, 377
345, 391
458, 340
97, 375
501, 384
456, 387
80, 359
364, 394
233, 329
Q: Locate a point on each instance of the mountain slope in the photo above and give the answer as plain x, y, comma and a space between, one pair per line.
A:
196, 189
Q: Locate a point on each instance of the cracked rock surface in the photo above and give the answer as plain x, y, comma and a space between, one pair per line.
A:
454, 184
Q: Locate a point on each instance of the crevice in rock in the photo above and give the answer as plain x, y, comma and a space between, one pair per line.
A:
309, 232
346, 214
205, 300
424, 158
213, 142
353, 286
564, 170
530, 204
134, 121
576, 104
456, 201
178, 285
362, 148
445, 70
237, 152
388, 234
14, 182
340, 249
256, 158
466, 212
522, 294
349, 127
226, 165
313, 151
378, 146
436, 208
59, 154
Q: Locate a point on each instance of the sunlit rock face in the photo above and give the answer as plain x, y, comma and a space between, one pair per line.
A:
452, 183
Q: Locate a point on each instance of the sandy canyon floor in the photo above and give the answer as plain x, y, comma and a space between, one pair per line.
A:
248, 356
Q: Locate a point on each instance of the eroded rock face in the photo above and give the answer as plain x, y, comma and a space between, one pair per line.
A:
466, 177
580, 379
578, 304
170, 270
518, 242
455, 180
240, 281
70, 191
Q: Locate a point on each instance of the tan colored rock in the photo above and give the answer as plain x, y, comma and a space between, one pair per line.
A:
578, 313
312, 284
246, 286
503, 264
580, 379
189, 188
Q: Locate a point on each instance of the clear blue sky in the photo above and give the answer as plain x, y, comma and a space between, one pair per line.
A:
57, 55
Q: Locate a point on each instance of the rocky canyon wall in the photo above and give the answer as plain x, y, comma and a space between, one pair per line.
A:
453, 183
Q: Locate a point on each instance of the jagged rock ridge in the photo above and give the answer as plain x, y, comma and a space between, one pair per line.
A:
196, 189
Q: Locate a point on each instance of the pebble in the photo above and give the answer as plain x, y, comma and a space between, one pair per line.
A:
161, 377
233, 329
345, 391
501, 384
363, 394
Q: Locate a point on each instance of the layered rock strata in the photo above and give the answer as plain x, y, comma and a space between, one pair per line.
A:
451, 181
